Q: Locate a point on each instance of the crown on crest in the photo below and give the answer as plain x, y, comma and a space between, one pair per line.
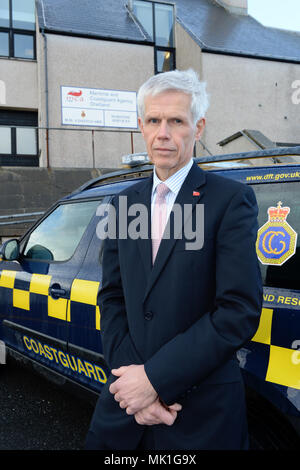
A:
278, 214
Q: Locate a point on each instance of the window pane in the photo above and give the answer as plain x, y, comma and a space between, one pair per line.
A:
5, 140
4, 44
163, 25
143, 12
288, 274
26, 141
4, 13
164, 61
23, 14
57, 237
23, 45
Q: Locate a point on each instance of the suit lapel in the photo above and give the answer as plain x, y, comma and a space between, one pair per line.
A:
188, 196
143, 196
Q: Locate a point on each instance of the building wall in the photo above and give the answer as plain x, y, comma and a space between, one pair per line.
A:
19, 84
189, 55
241, 144
244, 93
88, 63
250, 94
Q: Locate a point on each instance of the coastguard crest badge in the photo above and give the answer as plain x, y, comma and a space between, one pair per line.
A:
276, 239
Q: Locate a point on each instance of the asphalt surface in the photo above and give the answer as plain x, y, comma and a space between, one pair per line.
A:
38, 415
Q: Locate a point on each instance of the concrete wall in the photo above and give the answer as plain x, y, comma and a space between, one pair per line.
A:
28, 190
88, 63
241, 144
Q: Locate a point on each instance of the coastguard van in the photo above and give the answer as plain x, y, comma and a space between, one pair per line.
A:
50, 279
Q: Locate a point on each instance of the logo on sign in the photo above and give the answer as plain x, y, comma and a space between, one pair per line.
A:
74, 96
75, 93
276, 239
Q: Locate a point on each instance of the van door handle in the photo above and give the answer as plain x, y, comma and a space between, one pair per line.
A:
56, 292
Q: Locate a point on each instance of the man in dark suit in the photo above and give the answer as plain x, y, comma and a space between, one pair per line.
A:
175, 311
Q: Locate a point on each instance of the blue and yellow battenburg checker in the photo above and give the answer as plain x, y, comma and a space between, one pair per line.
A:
82, 291
283, 360
276, 239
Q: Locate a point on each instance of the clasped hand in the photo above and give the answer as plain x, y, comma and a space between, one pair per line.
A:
135, 393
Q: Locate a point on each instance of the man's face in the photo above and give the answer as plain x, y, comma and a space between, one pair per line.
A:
169, 131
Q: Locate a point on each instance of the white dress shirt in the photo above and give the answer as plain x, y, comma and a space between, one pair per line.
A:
174, 184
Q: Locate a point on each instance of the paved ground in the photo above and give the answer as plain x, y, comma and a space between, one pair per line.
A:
37, 415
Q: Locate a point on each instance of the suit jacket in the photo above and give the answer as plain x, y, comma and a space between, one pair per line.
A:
184, 318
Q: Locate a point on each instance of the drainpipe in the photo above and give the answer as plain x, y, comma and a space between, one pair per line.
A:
46, 92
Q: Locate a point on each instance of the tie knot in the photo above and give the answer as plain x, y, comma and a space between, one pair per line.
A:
162, 190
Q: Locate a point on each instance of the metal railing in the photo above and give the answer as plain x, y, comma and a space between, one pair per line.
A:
13, 219
44, 134
91, 132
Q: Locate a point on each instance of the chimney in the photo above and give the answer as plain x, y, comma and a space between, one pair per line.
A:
239, 7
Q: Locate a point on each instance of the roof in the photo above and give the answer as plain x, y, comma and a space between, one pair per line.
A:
91, 18
217, 30
211, 26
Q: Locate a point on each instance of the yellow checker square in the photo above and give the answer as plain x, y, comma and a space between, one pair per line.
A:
284, 367
7, 279
69, 311
85, 291
263, 333
57, 308
21, 299
98, 318
39, 284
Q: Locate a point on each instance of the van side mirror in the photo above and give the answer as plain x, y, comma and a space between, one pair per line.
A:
10, 250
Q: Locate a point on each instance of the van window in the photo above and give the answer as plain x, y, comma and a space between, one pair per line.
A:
57, 236
287, 195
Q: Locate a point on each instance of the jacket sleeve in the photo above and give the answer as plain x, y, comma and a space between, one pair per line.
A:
191, 356
118, 348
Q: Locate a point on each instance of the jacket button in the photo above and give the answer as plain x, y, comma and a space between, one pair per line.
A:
148, 315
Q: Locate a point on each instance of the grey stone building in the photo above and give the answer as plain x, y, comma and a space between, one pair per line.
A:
104, 47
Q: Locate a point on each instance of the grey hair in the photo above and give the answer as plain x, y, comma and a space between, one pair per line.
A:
186, 81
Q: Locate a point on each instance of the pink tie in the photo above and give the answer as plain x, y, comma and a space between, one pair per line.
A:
159, 218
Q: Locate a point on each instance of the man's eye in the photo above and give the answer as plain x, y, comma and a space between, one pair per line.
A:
177, 121
153, 120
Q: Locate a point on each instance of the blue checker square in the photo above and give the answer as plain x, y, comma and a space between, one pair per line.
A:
285, 327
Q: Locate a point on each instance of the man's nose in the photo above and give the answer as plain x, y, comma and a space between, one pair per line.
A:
163, 131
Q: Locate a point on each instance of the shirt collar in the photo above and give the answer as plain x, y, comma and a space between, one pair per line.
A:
175, 181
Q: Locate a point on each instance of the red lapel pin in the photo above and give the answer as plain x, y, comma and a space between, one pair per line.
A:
196, 193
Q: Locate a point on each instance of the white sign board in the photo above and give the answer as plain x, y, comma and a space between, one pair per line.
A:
95, 107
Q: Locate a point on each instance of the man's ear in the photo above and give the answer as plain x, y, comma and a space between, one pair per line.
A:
199, 128
141, 125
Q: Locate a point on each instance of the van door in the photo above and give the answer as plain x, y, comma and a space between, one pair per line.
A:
35, 289
84, 325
